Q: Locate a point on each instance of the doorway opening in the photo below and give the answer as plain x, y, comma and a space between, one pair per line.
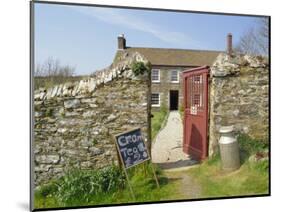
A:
174, 99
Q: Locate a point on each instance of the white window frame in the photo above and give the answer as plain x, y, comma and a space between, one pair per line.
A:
159, 75
159, 100
177, 76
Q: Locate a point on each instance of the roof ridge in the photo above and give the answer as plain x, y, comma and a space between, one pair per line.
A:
156, 48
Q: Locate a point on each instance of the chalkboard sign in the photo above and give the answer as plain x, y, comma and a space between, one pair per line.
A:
131, 147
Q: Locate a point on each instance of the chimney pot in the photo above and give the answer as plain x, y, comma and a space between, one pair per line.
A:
229, 44
121, 42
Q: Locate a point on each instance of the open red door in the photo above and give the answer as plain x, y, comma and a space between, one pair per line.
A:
195, 90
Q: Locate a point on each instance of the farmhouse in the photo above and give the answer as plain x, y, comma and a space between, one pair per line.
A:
167, 67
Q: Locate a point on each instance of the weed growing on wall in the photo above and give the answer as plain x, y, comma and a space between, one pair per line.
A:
49, 112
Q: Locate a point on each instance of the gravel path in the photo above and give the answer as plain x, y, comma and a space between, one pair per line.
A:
167, 147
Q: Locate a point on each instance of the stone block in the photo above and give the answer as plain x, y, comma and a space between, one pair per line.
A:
47, 159
74, 103
95, 151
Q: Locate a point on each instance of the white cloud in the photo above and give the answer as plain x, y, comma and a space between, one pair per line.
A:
133, 22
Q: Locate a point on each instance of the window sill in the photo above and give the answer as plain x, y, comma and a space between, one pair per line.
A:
155, 105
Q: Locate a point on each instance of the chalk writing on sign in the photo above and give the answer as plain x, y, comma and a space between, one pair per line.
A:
132, 148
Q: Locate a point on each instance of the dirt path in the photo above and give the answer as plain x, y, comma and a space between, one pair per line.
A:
187, 187
167, 154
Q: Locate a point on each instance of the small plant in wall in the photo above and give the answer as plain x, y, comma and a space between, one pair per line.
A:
140, 68
62, 112
49, 112
95, 141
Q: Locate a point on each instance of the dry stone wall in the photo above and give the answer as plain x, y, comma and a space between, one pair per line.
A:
239, 96
74, 123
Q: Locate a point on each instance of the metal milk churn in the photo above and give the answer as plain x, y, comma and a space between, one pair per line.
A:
229, 149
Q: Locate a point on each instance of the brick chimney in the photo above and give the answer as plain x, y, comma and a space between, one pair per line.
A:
229, 50
121, 42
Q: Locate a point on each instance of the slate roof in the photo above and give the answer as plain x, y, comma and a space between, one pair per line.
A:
176, 57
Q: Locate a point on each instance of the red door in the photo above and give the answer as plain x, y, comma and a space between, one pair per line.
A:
195, 90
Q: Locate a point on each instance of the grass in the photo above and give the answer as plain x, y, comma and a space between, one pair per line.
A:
158, 120
251, 179
141, 179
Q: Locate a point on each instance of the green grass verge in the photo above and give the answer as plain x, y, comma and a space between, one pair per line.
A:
75, 191
251, 179
157, 121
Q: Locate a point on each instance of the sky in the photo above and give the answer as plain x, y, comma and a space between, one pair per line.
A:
86, 37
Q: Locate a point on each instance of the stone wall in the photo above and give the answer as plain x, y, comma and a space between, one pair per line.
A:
75, 123
239, 95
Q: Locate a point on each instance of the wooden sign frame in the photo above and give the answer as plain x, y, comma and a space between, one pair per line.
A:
123, 163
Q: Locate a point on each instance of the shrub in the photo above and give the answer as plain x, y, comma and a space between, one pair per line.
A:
139, 68
250, 145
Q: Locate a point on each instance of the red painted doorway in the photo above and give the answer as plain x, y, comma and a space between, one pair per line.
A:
195, 131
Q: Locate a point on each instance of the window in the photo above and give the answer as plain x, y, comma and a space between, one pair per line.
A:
155, 100
155, 75
174, 76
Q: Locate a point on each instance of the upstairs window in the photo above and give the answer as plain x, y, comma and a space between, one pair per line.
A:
174, 76
155, 75
155, 100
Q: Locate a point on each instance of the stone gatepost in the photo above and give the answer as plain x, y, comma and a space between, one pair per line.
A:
239, 96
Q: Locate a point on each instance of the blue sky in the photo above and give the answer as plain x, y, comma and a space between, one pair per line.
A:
86, 37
